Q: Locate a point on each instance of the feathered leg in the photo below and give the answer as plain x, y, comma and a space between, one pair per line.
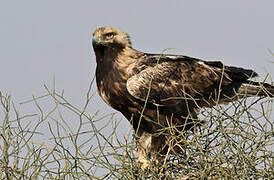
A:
149, 145
143, 147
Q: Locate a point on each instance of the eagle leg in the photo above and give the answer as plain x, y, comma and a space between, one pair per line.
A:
143, 146
149, 145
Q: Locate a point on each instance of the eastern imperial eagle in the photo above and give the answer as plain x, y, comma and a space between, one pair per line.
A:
157, 90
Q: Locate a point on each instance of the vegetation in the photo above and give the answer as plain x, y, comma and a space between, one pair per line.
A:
235, 142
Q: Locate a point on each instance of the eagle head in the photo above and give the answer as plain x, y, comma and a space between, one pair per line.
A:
110, 37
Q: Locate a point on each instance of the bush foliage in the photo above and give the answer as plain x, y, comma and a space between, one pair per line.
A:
236, 142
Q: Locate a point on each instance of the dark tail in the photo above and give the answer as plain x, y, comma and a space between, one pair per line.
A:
252, 88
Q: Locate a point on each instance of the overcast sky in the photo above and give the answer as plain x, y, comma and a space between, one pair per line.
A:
40, 40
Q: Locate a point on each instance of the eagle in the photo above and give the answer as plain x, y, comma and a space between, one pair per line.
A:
154, 91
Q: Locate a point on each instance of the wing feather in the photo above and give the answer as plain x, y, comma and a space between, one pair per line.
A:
169, 80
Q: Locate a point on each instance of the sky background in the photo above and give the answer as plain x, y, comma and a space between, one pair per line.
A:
43, 40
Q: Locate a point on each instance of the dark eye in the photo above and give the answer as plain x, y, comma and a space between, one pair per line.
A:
109, 35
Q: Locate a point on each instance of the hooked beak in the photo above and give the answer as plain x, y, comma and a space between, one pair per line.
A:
95, 40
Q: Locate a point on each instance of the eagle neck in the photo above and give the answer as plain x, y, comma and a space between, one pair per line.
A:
112, 73
126, 62
106, 54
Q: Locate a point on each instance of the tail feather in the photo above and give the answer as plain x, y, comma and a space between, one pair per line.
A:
256, 89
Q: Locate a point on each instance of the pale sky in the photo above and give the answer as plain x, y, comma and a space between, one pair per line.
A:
42, 40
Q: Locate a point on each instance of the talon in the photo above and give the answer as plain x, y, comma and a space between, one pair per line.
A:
144, 164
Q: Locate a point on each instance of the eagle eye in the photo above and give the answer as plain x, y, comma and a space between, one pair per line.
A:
109, 35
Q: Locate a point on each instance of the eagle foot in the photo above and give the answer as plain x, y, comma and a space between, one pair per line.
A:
144, 164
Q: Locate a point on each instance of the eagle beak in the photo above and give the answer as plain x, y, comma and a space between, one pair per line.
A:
95, 40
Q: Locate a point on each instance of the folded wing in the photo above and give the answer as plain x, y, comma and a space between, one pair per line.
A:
169, 79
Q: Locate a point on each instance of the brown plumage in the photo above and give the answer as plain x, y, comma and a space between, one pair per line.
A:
156, 90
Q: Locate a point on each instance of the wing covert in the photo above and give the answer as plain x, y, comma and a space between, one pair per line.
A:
168, 82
